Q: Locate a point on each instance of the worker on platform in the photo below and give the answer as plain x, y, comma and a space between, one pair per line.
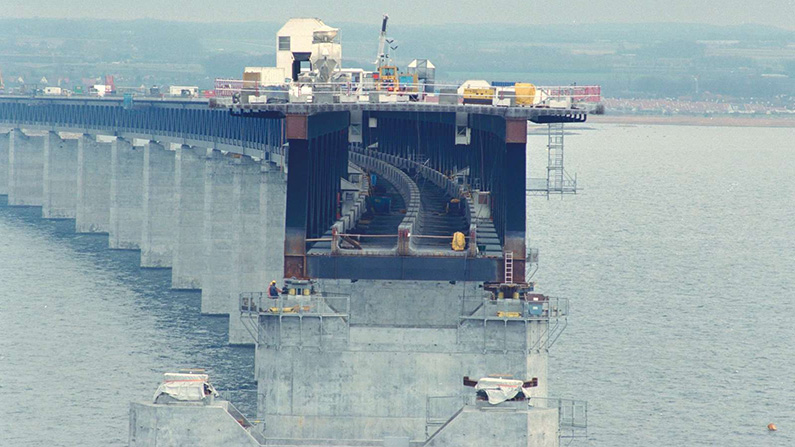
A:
273, 291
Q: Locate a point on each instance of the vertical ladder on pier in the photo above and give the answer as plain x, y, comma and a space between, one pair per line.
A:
508, 267
555, 158
558, 180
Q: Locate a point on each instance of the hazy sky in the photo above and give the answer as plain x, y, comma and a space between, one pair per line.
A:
779, 13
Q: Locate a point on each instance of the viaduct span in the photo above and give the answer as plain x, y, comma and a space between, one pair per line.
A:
230, 198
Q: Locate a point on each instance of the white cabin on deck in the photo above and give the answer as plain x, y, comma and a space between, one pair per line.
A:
306, 41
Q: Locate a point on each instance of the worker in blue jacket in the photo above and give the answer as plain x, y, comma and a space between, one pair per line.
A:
273, 291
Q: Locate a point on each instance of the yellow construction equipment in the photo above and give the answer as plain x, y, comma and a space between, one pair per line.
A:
459, 241
479, 95
289, 310
525, 94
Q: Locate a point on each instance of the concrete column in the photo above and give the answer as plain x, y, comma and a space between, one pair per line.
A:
59, 197
93, 185
188, 263
250, 245
220, 222
4, 167
157, 235
538, 358
273, 203
126, 195
26, 169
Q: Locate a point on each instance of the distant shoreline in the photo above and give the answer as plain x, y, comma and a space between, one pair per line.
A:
684, 120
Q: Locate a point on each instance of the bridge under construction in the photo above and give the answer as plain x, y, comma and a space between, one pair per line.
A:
396, 224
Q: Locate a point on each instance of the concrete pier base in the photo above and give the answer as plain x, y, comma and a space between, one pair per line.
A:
4, 141
186, 425
249, 244
438, 331
476, 427
187, 266
59, 196
126, 195
220, 221
157, 228
26, 169
93, 185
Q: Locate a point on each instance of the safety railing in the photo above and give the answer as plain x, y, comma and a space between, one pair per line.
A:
257, 303
441, 409
231, 92
252, 426
535, 307
316, 321
511, 325
572, 414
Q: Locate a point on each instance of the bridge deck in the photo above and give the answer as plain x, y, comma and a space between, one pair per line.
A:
438, 222
535, 114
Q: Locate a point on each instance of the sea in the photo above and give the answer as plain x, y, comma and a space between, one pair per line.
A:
677, 255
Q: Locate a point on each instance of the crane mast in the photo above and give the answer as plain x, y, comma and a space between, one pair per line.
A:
382, 56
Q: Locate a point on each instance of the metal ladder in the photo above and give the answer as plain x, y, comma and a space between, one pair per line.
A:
555, 158
508, 267
558, 180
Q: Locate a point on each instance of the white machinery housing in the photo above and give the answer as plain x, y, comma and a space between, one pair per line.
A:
307, 40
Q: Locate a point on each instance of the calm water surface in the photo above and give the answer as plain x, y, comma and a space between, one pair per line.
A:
84, 330
679, 259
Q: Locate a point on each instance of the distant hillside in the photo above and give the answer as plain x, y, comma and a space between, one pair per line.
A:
628, 59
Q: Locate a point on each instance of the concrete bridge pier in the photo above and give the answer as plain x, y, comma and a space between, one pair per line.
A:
187, 265
157, 226
4, 141
93, 185
126, 192
273, 204
249, 244
59, 196
26, 169
220, 223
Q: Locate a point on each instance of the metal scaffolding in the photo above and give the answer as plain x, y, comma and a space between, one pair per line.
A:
558, 181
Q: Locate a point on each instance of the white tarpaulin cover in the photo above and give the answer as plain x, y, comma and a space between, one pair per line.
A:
185, 387
499, 390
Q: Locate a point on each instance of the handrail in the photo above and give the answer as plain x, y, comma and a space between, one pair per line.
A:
487, 308
257, 303
364, 91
